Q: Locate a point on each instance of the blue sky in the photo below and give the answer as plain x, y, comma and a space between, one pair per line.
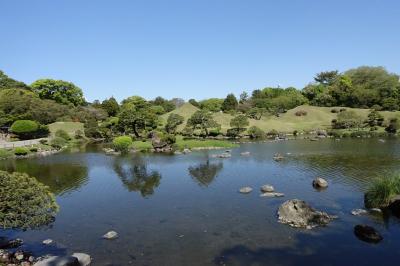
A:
193, 49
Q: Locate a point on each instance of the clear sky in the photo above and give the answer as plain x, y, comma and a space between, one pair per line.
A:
193, 49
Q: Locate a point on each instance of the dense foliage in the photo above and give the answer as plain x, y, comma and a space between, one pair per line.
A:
382, 191
122, 143
24, 202
58, 90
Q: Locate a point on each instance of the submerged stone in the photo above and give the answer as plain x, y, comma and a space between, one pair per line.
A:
267, 188
367, 233
358, 212
272, 194
110, 235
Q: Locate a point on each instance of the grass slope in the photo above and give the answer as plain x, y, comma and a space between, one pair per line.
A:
186, 110
316, 118
69, 127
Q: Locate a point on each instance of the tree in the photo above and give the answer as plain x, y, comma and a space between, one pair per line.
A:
230, 103
256, 113
255, 132
194, 102
137, 116
238, 124
122, 143
25, 129
244, 97
111, 106
212, 104
346, 120
9, 83
202, 119
375, 119
58, 90
327, 77
173, 121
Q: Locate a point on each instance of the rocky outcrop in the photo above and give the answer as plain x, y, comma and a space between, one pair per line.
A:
160, 145
367, 233
320, 183
58, 261
394, 206
298, 213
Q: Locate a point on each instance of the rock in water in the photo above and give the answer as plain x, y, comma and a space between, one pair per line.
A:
246, 153
110, 235
84, 259
358, 212
367, 233
245, 190
320, 183
267, 188
298, 213
272, 194
47, 242
58, 261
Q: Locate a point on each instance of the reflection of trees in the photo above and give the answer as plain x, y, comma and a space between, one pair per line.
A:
60, 177
205, 173
136, 177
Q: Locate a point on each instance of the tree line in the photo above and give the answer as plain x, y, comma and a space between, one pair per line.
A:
47, 100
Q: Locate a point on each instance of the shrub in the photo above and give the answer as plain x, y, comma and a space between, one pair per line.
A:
20, 151
334, 110
63, 134
234, 132
33, 149
79, 134
295, 133
58, 142
168, 138
122, 143
29, 203
382, 191
301, 113
273, 133
43, 141
24, 128
255, 132
342, 109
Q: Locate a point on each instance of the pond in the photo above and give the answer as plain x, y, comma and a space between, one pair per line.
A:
186, 209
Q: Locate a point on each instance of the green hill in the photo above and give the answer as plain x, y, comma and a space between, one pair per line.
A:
316, 118
69, 127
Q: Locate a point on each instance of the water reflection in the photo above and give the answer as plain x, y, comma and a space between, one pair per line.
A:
136, 177
205, 173
60, 177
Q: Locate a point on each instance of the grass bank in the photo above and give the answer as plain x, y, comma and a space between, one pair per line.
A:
182, 143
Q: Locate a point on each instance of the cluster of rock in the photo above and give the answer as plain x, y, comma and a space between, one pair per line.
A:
23, 258
110, 151
266, 191
226, 154
297, 213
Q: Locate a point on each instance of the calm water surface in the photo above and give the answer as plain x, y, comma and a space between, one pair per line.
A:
186, 209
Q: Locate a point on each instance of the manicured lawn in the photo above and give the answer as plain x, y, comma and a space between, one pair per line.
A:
69, 127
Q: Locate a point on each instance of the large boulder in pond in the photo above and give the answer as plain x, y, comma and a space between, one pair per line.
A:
319, 182
367, 233
297, 213
58, 261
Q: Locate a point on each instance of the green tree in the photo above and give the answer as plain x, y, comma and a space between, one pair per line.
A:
194, 102
58, 90
111, 106
202, 119
244, 97
255, 132
212, 104
327, 77
375, 119
230, 103
137, 116
122, 143
25, 129
238, 124
9, 83
173, 121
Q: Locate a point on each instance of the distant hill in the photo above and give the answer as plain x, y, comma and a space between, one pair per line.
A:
316, 118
